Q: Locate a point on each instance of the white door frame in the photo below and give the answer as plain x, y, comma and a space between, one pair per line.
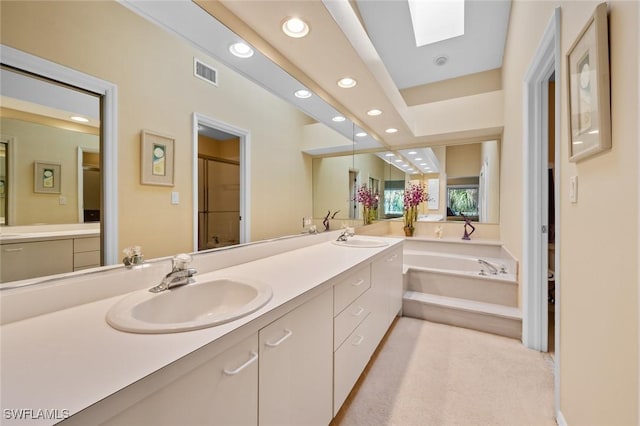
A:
80, 178
109, 92
546, 61
245, 173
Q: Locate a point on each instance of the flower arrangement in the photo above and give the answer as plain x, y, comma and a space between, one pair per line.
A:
365, 196
132, 256
414, 194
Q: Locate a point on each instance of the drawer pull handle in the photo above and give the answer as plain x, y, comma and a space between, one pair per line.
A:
358, 283
360, 311
254, 357
12, 250
360, 339
288, 334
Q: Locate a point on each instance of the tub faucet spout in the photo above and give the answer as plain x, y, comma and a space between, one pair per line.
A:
492, 269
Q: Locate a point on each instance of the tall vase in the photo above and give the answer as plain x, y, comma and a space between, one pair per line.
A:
366, 215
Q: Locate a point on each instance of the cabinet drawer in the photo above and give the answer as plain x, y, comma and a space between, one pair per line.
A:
86, 259
86, 244
351, 317
350, 360
20, 261
350, 288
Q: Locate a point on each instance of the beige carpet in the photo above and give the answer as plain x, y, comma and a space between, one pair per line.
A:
432, 374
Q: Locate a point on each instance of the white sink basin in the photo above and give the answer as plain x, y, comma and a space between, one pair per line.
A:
190, 307
358, 242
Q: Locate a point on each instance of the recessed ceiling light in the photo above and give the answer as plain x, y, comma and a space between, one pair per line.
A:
338, 118
389, 154
374, 112
391, 130
79, 119
578, 142
241, 50
398, 161
347, 83
412, 153
302, 94
418, 159
423, 164
405, 165
295, 27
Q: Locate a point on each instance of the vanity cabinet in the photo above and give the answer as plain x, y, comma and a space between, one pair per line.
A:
361, 325
31, 259
222, 391
296, 363
20, 261
386, 275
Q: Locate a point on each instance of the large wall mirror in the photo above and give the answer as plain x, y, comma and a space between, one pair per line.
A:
463, 180
292, 171
51, 146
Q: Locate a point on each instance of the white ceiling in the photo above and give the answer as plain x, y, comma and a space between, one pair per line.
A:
389, 27
361, 42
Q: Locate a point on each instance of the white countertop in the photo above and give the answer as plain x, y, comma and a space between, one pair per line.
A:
70, 359
23, 234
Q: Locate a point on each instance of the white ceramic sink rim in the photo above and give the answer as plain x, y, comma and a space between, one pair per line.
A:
149, 313
361, 242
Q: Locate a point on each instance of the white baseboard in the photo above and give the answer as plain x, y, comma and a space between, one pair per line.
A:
560, 419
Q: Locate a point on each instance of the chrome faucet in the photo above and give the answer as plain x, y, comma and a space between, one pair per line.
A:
343, 236
180, 274
492, 269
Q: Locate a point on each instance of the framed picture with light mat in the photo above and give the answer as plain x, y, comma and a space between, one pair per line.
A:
157, 158
588, 89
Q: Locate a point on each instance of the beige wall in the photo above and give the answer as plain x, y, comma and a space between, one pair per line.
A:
37, 142
156, 90
463, 160
598, 277
331, 181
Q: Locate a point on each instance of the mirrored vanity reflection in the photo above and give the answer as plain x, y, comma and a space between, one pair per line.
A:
50, 177
463, 180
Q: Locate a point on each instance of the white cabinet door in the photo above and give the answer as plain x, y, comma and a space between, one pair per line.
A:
222, 391
386, 273
296, 366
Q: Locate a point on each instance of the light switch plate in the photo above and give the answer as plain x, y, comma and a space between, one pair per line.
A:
573, 189
175, 197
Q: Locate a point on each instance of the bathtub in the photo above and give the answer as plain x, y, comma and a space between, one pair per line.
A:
419, 259
459, 276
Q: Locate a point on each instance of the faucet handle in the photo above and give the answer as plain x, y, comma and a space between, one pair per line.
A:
181, 261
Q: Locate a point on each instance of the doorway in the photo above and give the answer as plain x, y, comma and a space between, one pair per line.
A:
353, 192
220, 184
541, 127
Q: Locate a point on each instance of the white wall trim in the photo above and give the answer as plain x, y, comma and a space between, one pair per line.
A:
245, 174
560, 419
109, 119
12, 146
546, 61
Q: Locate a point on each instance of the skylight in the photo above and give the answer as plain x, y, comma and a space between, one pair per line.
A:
436, 20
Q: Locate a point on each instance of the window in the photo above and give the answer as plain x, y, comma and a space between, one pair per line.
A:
462, 200
393, 198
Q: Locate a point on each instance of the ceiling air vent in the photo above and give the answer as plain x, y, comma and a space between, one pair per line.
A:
205, 72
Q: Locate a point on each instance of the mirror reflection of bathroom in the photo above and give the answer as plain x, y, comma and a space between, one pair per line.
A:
218, 188
4, 149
